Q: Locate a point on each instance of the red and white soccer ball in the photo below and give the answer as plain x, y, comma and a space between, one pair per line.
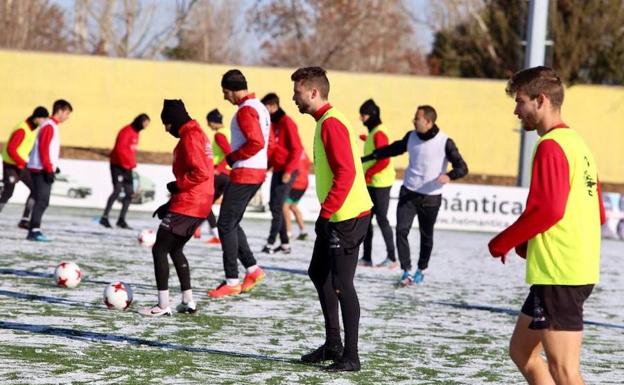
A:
147, 238
118, 295
67, 274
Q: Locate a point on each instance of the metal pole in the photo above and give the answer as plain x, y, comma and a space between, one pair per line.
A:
533, 57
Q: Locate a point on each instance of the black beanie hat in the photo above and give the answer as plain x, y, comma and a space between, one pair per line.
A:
215, 116
174, 113
369, 108
40, 112
234, 80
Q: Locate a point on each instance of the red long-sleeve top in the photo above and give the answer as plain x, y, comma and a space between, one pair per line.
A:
124, 152
13, 144
546, 203
337, 144
45, 140
287, 149
381, 140
249, 122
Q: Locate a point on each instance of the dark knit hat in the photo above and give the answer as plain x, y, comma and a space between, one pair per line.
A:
234, 80
369, 108
174, 113
40, 112
215, 116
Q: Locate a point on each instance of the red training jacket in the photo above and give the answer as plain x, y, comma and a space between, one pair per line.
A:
287, 148
194, 172
301, 183
124, 152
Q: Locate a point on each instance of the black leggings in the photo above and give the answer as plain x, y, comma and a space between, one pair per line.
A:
381, 200
172, 244
10, 176
122, 179
332, 269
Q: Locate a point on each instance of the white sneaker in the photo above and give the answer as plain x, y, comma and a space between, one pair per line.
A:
190, 307
154, 311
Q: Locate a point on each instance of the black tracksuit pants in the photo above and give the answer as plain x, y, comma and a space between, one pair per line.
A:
233, 239
122, 179
172, 244
41, 193
381, 200
426, 207
332, 269
10, 176
220, 182
279, 193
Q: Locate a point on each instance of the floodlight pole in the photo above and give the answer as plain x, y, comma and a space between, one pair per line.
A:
533, 56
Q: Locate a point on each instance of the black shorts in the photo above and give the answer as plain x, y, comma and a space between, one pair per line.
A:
120, 175
556, 307
179, 224
295, 195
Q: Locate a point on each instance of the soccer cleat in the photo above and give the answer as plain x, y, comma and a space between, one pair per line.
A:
37, 236
418, 276
324, 352
302, 236
24, 224
154, 311
197, 233
213, 241
344, 364
365, 263
252, 279
284, 249
224, 290
104, 222
268, 249
189, 308
388, 263
406, 279
123, 225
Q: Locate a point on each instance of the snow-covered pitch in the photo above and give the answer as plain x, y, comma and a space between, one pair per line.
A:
453, 329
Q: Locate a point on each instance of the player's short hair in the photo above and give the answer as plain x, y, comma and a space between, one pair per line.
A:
313, 77
535, 81
61, 104
429, 112
270, 98
234, 80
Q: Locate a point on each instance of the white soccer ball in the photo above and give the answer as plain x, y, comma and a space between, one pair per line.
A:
118, 295
147, 238
67, 274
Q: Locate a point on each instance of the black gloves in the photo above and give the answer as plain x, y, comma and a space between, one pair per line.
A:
321, 227
162, 210
368, 157
57, 171
229, 161
48, 177
173, 187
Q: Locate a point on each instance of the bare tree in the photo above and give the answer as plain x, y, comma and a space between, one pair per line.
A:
211, 34
32, 25
127, 28
364, 35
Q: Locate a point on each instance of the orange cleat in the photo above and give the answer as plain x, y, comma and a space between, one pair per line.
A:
252, 279
213, 241
224, 290
197, 233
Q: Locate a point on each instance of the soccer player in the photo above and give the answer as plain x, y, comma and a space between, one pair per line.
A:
15, 156
122, 162
379, 175
342, 223
220, 149
191, 199
430, 150
43, 165
250, 137
558, 233
299, 187
284, 161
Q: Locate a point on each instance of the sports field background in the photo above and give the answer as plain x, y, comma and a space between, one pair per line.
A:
454, 329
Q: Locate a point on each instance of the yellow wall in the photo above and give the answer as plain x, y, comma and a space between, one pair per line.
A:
107, 93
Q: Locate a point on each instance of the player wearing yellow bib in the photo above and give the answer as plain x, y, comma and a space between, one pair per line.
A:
14, 158
558, 233
342, 223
